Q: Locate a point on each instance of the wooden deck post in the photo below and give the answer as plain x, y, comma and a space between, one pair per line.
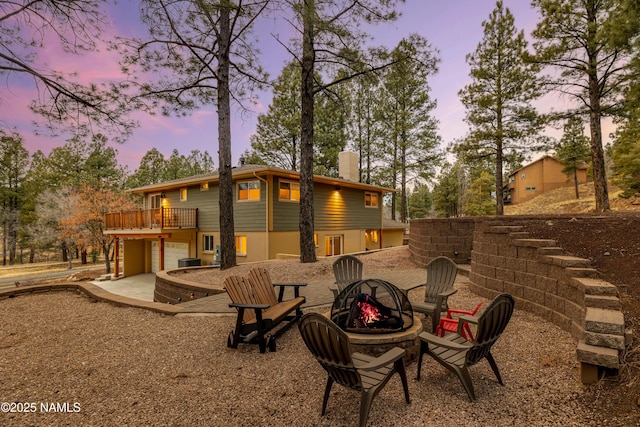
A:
117, 256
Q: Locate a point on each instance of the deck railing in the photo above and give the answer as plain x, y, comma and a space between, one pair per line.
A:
152, 218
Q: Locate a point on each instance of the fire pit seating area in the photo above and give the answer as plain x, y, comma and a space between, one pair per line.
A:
376, 316
260, 310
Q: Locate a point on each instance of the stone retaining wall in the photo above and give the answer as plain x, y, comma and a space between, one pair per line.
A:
171, 289
564, 290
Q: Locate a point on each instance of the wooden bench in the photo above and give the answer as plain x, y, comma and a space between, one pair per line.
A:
260, 311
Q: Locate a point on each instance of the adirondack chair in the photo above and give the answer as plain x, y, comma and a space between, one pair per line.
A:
441, 274
265, 288
456, 353
450, 324
331, 347
347, 269
257, 314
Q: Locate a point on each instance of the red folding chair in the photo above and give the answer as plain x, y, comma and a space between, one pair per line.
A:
449, 324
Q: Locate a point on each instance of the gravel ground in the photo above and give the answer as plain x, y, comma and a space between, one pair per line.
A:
106, 365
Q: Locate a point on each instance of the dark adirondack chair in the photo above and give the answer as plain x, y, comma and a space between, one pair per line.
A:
441, 275
367, 374
456, 354
347, 269
258, 315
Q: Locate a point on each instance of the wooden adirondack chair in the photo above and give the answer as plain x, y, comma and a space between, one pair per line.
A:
441, 275
257, 314
265, 288
456, 353
331, 347
347, 269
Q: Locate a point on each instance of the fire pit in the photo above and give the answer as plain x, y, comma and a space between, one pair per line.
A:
377, 316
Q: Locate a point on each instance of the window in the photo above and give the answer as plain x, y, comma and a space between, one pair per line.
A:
371, 200
289, 191
530, 189
249, 190
241, 245
333, 245
315, 239
183, 194
523, 176
155, 201
207, 243
204, 186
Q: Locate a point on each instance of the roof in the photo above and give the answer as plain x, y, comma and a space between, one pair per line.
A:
251, 171
389, 224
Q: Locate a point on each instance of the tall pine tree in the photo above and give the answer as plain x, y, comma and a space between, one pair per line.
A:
500, 115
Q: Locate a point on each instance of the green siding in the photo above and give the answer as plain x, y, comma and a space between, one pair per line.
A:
250, 215
344, 209
333, 210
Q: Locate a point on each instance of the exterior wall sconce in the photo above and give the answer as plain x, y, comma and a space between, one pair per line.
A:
163, 196
338, 188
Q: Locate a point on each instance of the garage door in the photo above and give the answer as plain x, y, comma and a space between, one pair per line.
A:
173, 251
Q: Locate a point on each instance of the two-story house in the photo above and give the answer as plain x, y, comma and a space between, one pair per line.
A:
540, 176
180, 220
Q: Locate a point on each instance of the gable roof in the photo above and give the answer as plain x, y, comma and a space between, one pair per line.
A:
252, 171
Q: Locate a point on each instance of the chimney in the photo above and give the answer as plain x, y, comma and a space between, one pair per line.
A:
241, 161
348, 166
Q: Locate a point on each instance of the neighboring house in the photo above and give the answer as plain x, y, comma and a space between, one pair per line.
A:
180, 220
545, 174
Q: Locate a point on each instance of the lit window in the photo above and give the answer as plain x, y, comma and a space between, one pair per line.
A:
289, 191
241, 245
371, 200
183, 194
315, 239
204, 186
207, 243
249, 190
333, 245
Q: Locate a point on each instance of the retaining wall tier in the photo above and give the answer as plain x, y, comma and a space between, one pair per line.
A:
562, 289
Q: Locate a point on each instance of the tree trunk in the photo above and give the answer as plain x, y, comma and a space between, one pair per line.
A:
575, 181
307, 246
595, 124
227, 230
107, 264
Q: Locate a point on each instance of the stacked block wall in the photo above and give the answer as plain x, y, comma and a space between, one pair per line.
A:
452, 237
562, 289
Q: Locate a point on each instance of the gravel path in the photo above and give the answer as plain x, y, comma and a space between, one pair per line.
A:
109, 365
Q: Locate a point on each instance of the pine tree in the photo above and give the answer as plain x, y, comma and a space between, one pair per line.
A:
411, 139
578, 40
499, 99
573, 149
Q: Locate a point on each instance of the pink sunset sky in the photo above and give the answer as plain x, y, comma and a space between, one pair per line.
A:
452, 27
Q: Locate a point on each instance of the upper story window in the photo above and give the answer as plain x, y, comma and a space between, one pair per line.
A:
371, 199
155, 201
183, 194
204, 186
249, 190
289, 191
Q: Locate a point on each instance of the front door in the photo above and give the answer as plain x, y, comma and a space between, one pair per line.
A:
333, 245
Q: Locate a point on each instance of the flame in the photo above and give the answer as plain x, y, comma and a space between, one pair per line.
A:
368, 312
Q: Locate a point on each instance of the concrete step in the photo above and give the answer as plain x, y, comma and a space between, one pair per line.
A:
603, 321
583, 272
550, 250
596, 286
569, 261
616, 342
599, 356
606, 302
